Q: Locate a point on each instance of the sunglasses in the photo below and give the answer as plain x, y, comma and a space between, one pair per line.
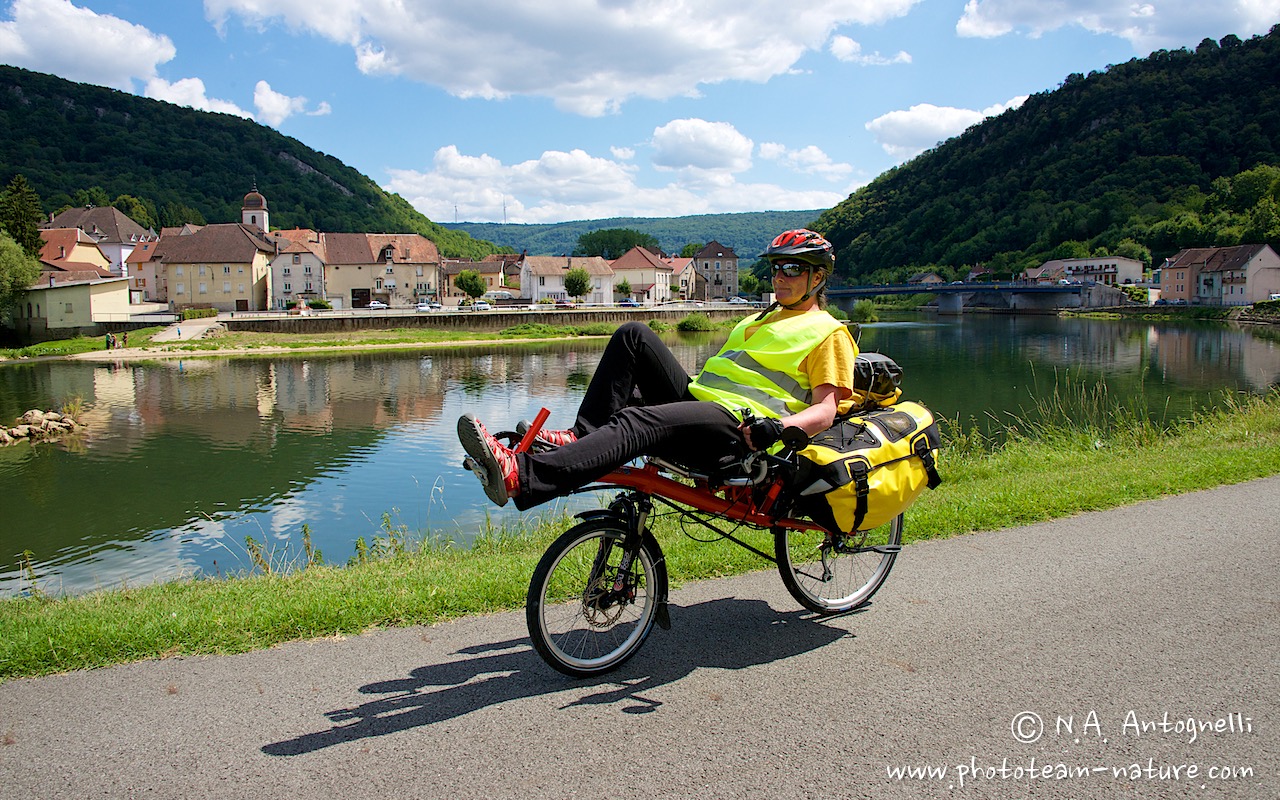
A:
791, 269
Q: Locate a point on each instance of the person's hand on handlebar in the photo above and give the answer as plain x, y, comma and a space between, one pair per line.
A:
761, 433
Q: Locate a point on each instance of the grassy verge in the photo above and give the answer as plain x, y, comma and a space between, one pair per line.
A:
1034, 475
80, 344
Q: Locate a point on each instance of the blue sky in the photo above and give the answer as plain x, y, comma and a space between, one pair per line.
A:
550, 110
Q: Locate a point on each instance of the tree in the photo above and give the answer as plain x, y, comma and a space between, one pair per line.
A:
576, 282
21, 215
470, 283
140, 211
611, 243
748, 283
17, 272
691, 249
623, 287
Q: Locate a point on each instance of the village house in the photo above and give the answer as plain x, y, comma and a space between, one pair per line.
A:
63, 306
297, 271
398, 269
224, 266
71, 250
649, 276
542, 278
498, 274
116, 234
1221, 276
925, 278
1107, 270
717, 265
74, 291
684, 277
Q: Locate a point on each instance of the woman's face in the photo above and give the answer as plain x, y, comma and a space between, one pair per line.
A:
789, 289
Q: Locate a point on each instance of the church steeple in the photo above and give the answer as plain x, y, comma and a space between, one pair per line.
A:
254, 211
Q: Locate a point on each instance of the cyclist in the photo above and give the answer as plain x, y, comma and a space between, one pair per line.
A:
791, 365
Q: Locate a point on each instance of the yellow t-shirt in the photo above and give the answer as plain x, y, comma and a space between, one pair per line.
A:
830, 362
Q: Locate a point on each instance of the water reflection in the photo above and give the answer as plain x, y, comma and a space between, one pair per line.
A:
182, 460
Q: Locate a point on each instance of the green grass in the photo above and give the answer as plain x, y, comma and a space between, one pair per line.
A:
80, 344
1038, 472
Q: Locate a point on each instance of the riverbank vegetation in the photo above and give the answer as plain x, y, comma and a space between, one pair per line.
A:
1032, 474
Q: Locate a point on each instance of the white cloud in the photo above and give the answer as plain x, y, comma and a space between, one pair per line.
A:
906, 134
560, 186
1146, 25
191, 92
623, 153
274, 107
701, 145
810, 160
75, 43
846, 49
588, 56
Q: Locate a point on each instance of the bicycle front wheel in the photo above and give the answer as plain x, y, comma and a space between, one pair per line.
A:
587, 611
831, 573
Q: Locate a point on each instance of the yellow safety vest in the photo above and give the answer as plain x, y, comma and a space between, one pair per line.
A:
763, 373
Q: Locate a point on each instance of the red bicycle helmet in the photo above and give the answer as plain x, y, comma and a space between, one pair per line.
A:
802, 245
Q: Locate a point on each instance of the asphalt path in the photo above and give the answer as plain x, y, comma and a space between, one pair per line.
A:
1130, 653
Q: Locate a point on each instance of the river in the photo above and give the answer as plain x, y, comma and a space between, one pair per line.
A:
184, 459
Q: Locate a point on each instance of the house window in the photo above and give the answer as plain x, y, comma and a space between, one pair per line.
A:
202, 270
297, 259
204, 288
226, 287
542, 281
286, 270
67, 310
307, 269
242, 288
177, 271
287, 288
226, 270
390, 269
308, 286
377, 284
240, 270
181, 289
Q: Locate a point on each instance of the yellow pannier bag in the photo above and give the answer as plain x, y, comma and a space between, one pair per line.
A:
869, 467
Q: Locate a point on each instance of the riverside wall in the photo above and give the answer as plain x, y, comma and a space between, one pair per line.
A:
480, 321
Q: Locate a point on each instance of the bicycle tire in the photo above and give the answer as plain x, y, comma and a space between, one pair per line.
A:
829, 574
576, 622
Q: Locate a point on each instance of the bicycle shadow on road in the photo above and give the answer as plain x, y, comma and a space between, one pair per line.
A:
721, 634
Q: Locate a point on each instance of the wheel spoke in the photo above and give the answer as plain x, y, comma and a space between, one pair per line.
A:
827, 574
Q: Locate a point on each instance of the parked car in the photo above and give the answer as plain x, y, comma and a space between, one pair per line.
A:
564, 305
628, 303
377, 305
428, 305
739, 301
481, 305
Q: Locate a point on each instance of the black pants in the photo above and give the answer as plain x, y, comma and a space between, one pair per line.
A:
637, 403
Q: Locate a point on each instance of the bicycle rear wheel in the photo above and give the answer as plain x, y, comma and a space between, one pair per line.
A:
829, 574
587, 614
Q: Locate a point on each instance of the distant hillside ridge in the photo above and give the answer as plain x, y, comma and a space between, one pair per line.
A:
746, 232
1106, 159
68, 137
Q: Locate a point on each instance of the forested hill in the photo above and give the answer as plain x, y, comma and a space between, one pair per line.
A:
1125, 158
747, 233
183, 165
